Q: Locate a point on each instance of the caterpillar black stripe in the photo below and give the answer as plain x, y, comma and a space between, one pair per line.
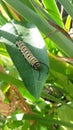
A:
33, 61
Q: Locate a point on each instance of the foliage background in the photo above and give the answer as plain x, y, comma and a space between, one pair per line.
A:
54, 107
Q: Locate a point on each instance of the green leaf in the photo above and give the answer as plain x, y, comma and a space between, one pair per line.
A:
54, 12
27, 2
60, 66
33, 79
65, 114
44, 120
68, 23
42, 11
68, 6
9, 79
2, 19
63, 43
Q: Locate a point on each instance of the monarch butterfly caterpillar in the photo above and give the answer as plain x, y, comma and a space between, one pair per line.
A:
33, 61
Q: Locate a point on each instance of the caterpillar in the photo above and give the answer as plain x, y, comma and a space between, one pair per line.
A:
32, 60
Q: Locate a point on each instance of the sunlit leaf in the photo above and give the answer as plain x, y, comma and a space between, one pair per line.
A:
33, 79
65, 114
